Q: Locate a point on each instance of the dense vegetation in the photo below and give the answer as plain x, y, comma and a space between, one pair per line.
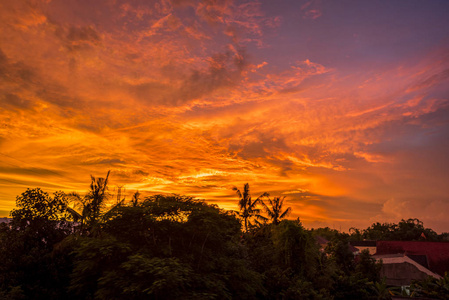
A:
176, 247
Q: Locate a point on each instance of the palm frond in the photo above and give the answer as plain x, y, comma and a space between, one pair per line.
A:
285, 213
237, 191
75, 215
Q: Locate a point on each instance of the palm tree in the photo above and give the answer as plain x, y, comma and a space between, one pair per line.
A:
274, 211
92, 203
247, 207
381, 289
135, 198
97, 195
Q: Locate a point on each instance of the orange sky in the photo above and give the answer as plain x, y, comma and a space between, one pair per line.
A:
342, 108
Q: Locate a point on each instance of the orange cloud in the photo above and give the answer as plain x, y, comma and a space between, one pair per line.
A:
186, 97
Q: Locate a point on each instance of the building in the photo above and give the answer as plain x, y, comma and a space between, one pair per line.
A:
405, 261
362, 245
434, 254
401, 270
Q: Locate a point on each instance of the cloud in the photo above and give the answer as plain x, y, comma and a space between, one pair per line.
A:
27, 171
13, 100
22, 15
432, 211
311, 9
81, 38
224, 70
214, 11
198, 96
16, 71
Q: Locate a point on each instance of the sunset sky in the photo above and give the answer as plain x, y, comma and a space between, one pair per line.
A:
341, 106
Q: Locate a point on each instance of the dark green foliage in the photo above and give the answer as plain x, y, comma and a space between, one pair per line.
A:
93, 258
37, 210
327, 233
350, 287
381, 289
352, 279
294, 247
166, 247
143, 277
355, 234
405, 230
288, 257
368, 267
339, 251
29, 268
432, 288
176, 247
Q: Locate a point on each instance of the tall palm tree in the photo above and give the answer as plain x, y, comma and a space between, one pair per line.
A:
92, 203
97, 196
248, 208
135, 199
274, 211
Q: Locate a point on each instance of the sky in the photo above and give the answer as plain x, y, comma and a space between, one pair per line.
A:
340, 106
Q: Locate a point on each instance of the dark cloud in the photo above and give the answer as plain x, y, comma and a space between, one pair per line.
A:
213, 11
252, 136
264, 145
105, 161
140, 173
77, 38
433, 80
16, 71
3, 61
183, 2
224, 71
16, 77
315, 80
16, 102
250, 150
152, 92
84, 34
31, 171
31, 183
60, 96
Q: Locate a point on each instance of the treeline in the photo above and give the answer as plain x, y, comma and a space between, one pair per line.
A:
175, 247
405, 230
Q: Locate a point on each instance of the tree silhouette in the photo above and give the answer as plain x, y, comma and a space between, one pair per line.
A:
29, 267
248, 208
135, 199
97, 196
92, 203
274, 211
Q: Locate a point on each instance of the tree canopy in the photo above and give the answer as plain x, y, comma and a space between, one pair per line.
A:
178, 247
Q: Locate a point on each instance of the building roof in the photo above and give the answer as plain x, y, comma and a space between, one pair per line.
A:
399, 269
399, 258
420, 259
436, 253
363, 243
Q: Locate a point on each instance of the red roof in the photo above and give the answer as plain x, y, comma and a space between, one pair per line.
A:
437, 253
